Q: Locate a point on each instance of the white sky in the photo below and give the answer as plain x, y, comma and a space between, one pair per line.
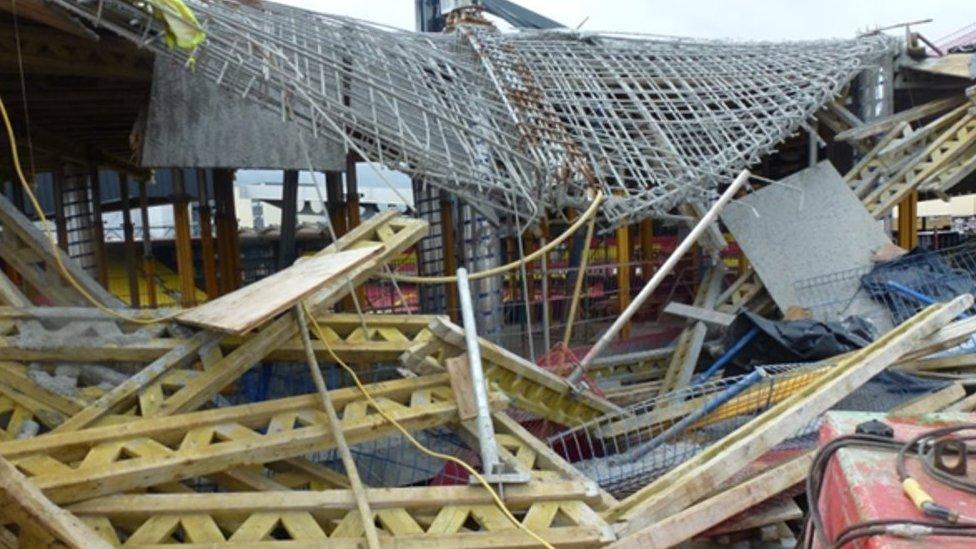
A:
739, 19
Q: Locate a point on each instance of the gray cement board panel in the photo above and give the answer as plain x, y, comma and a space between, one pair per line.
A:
194, 123
810, 226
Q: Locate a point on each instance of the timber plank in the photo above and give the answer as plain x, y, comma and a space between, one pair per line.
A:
697, 477
243, 310
39, 510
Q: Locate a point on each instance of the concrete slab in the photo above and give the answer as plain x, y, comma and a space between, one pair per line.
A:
193, 123
810, 226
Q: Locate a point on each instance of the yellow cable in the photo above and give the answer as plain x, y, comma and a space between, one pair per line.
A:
578, 286
589, 213
494, 495
54, 245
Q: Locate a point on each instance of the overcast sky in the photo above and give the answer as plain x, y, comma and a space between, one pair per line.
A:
739, 19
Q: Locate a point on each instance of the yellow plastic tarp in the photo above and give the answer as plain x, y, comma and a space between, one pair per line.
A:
182, 28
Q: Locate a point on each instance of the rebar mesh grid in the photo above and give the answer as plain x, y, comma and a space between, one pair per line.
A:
394, 462
626, 450
516, 122
889, 293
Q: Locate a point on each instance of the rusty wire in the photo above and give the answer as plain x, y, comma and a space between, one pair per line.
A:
514, 123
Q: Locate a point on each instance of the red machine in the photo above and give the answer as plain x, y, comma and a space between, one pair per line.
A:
861, 486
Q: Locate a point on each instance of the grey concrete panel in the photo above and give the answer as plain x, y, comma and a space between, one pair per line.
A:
194, 123
810, 226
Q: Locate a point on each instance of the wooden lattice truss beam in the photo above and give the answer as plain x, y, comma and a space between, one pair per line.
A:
933, 157
74, 466
530, 387
48, 339
142, 438
559, 502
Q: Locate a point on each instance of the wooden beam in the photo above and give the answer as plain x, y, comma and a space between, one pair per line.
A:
184, 241
698, 518
703, 314
39, 511
148, 263
389, 336
126, 394
79, 465
29, 251
335, 426
699, 476
252, 306
931, 402
227, 238
518, 496
394, 233
688, 346
460, 374
530, 387
908, 221
289, 219
450, 255
209, 261
647, 247
882, 125
98, 223
623, 274
128, 232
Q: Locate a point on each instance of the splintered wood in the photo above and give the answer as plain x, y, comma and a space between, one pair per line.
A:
242, 311
136, 462
157, 458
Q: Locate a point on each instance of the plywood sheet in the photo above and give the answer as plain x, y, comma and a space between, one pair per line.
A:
241, 311
959, 65
812, 225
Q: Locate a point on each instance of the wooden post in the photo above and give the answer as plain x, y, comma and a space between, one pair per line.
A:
907, 221
148, 262
647, 247
337, 216
206, 238
353, 217
336, 202
623, 274
128, 231
21, 495
289, 218
450, 257
348, 463
227, 239
184, 242
60, 223
352, 191
98, 225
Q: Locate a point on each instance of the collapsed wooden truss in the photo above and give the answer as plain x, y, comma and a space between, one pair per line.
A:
139, 464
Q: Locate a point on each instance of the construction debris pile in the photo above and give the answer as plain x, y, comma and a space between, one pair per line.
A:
141, 427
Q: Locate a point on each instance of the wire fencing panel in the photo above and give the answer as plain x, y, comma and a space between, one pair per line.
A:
892, 292
626, 450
